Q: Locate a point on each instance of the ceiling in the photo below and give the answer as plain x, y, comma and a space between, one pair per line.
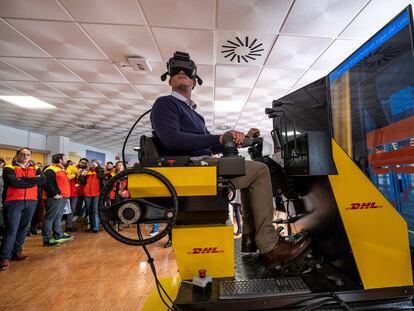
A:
68, 53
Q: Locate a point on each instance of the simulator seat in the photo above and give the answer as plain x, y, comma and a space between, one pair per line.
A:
197, 209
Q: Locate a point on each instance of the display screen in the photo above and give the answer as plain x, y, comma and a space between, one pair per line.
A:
372, 109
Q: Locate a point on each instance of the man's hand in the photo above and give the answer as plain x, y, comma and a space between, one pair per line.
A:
238, 138
253, 132
58, 196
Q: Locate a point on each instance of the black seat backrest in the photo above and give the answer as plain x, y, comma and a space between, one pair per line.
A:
149, 149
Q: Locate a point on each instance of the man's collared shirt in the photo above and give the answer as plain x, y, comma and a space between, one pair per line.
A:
189, 102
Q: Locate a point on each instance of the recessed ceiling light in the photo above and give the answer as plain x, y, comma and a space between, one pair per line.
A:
27, 102
228, 106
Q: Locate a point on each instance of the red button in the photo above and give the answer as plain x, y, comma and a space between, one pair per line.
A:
202, 273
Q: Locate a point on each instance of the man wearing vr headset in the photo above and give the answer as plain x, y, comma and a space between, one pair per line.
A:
182, 131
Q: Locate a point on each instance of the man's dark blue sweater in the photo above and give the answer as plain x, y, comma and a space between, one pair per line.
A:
181, 130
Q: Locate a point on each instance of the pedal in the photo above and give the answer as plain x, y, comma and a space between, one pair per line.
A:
304, 263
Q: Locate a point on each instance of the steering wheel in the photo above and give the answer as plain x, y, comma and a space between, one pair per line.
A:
137, 211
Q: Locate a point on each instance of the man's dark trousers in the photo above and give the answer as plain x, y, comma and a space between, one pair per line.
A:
19, 214
52, 225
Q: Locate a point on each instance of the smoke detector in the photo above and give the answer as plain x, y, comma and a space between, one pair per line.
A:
242, 51
136, 63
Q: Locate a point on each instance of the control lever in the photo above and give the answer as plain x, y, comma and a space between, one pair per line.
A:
279, 103
279, 140
230, 150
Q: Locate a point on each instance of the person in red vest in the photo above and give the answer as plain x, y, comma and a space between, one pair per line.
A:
21, 179
91, 192
57, 189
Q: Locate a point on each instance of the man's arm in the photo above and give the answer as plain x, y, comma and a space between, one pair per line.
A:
166, 123
9, 176
39, 179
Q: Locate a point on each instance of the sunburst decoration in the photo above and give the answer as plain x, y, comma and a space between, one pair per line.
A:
242, 50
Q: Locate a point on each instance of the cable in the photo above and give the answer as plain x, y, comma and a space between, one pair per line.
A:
157, 282
331, 298
129, 133
317, 304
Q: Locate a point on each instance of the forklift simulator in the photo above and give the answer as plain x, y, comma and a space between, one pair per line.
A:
341, 170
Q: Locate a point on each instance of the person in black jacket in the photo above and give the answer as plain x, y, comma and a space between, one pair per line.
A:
57, 189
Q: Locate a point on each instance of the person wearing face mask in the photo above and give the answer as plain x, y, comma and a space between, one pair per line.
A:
21, 179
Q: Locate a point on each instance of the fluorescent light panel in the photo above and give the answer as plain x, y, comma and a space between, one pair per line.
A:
28, 102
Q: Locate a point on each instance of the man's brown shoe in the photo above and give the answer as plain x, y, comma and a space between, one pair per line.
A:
248, 243
285, 251
19, 256
4, 264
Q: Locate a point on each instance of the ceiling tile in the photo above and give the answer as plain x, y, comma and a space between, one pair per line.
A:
338, 51
4, 91
323, 18
242, 48
43, 69
35, 89
75, 89
117, 90
206, 73
153, 77
266, 95
132, 104
39, 9
105, 11
238, 94
371, 19
60, 39
276, 78
236, 76
124, 41
263, 16
153, 91
205, 107
296, 52
14, 44
202, 93
95, 71
198, 43
93, 103
196, 14
309, 77
9, 73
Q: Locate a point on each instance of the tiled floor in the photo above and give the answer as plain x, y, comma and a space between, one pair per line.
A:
92, 272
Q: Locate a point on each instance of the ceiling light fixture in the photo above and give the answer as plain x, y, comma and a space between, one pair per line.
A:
238, 51
28, 102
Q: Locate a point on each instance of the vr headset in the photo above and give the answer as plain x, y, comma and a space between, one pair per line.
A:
182, 62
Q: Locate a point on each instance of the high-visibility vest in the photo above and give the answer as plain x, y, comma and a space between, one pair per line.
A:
18, 194
62, 180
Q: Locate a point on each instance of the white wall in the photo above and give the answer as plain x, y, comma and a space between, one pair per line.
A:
17, 138
80, 150
20, 138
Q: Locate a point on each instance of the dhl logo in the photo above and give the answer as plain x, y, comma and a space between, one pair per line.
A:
205, 250
363, 205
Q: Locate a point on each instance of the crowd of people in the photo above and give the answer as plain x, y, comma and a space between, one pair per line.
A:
36, 197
